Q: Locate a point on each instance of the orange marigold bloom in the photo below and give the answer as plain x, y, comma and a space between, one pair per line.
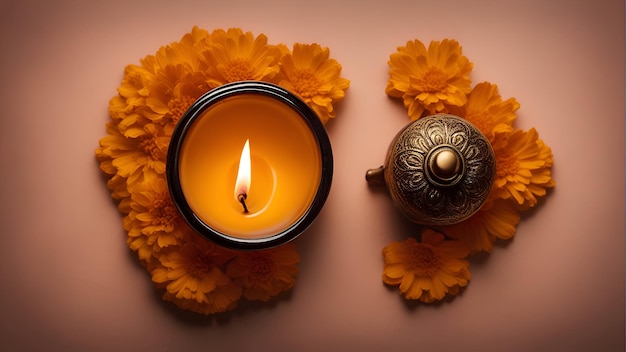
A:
137, 102
429, 80
133, 89
119, 193
486, 110
497, 218
523, 167
193, 277
237, 56
427, 270
115, 183
153, 222
125, 108
171, 93
183, 52
177, 80
140, 151
264, 274
314, 77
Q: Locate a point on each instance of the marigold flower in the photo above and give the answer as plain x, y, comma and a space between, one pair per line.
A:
314, 77
115, 183
134, 85
193, 277
131, 99
264, 274
153, 222
183, 52
137, 152
523, 167
137, 92
234, 56
427, 270
429, 80
171, 93
119, 193
486, 110
497, 218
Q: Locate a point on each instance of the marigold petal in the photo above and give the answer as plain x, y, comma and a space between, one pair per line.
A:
394, 270
408, 280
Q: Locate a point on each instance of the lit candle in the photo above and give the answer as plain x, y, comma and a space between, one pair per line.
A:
280, 179
242, 186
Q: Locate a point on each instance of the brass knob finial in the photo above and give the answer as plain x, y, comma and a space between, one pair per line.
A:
439, 170
445, 166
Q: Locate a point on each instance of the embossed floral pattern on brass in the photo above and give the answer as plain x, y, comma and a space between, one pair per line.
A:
439, 170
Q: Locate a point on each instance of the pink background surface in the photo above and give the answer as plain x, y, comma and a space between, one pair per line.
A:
69, 281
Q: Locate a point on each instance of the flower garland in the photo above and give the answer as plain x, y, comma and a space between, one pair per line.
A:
194, 273
436, 80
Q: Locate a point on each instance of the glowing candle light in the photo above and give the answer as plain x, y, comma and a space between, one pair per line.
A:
210, 175
242, 186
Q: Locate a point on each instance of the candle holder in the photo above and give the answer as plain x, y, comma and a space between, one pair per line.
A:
439, 170
291, 165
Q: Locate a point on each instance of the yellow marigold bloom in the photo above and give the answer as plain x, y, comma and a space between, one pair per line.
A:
237, 56
427, 270
497, 218
314, 77
486, 110
264, 274
193, 277
429, 80
523, 167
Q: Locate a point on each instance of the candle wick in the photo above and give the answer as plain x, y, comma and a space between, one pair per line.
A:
242, 199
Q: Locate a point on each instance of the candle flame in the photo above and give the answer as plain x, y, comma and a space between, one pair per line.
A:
242, 186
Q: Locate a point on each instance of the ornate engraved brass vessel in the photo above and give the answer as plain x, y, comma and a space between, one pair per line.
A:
438, 170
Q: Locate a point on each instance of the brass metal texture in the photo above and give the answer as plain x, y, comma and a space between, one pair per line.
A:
439, 170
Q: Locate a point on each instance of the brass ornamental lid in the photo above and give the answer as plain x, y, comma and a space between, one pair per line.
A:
439, 170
